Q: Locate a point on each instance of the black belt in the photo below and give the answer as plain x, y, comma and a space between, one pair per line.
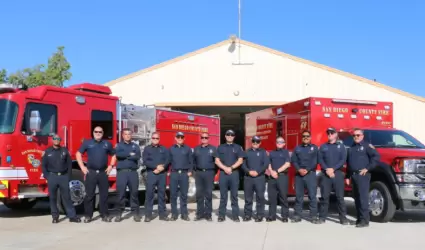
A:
59, 173
126, 170
96, 170
204, 169
180, 170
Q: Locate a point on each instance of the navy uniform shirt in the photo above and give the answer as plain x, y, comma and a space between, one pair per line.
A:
256, 160
56, 160
362, 155
204, 157
278, 158
154, 155
230, 153
305, 156
332, 155
97, 153
125, 160
181, 157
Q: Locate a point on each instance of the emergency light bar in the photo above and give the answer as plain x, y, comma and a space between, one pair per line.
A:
353, 101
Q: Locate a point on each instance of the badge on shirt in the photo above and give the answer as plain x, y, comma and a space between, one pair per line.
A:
211, 151
258, 153
339, 146
361, 148
312, 148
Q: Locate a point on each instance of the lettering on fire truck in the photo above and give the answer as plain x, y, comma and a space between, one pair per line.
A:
33, 159
327, 109
185, 127
263, 130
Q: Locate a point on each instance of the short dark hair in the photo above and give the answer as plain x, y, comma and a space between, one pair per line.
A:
306, 131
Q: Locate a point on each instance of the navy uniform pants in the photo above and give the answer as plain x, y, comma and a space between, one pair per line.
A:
361, 184
179, 181
96, 178
257, 185
158, 182
57, 181
308, 182
130, 178
227, 182
327, 184
204, 180
278, 188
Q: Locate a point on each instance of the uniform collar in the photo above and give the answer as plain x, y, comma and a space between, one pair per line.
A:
362, 143
336, 142
179, 146
306, 145
156, 146
206, 146
95, 141
279, 149
128, 143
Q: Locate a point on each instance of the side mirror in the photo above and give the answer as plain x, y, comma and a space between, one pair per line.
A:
35, 121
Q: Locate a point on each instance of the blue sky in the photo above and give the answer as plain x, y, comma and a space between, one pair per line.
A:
104, 40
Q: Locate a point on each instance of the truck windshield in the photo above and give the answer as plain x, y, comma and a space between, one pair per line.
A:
385, 139
8, 114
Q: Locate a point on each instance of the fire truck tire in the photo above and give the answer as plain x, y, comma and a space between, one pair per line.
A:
381, 205
21, 204
77, 189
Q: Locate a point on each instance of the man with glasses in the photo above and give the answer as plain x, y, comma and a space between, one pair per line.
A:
304, 159
362, 157
278, 181
181, 158
332, 156
230, 158
156, 159
204, 158
96, 172
56, 164
128, 155
254, 166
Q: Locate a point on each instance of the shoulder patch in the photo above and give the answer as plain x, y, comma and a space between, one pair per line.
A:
371, 146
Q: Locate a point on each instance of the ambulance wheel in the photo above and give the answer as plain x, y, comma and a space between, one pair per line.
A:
77, 192
381, 205
19, 204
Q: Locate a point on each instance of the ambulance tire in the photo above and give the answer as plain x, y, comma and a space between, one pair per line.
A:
20, 205
380, 195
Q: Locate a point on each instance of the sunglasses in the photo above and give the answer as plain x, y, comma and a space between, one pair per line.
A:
204, 137
180, 137
330, 133
255, 142
98, 132
155, 138
306, 136
280, 142
56, 138
357, 135
230, 135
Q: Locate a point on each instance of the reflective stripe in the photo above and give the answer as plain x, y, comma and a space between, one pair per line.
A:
8, 173
3, 192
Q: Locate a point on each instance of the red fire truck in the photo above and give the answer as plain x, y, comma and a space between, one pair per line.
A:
28, 118
397, 182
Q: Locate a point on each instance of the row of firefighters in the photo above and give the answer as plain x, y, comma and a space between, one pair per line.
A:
232, 161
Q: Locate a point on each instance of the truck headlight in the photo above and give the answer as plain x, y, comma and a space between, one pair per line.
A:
409, 165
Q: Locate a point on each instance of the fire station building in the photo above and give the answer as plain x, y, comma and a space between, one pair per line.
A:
233, 77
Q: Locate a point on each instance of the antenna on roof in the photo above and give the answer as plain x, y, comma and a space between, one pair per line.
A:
239, 36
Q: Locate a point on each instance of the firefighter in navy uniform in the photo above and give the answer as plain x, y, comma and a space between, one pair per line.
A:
332, 156
204, 164
57, 168
362, 157
181, 158
230, 158
255, 166
278, 180
128, 155
156, 159
96, 173
304, 159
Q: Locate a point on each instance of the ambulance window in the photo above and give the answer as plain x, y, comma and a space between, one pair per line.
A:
48, 115
103, 119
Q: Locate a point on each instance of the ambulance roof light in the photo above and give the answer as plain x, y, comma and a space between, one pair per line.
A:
10, 88
353, 101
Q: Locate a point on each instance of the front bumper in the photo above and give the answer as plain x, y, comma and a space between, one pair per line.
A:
412, 197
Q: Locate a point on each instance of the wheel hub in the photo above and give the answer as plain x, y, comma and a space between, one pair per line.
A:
376, 202
77, 192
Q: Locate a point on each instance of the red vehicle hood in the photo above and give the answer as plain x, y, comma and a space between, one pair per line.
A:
402, 152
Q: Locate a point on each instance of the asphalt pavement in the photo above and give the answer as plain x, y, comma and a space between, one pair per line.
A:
33, 230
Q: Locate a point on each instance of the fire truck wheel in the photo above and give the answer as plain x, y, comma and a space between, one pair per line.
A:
381, 205
191, 194
77, 192
20, 204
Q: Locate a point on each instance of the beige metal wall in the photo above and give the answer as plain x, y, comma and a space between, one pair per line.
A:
210, 77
